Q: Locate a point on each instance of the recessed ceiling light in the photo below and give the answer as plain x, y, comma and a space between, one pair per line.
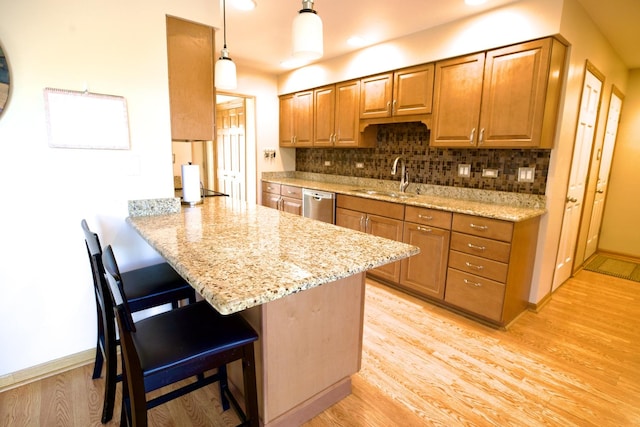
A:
244, 4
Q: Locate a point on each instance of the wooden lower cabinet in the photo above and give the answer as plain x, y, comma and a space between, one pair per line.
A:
356, 213
286, 198
426, 272
490, 266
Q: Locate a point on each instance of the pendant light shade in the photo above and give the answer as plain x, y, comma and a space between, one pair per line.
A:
307, 33
225, 72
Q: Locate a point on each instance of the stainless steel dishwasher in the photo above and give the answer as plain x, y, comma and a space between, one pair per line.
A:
319, 205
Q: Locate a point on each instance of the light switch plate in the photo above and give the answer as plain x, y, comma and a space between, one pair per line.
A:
464, 170
526, 174
359, 165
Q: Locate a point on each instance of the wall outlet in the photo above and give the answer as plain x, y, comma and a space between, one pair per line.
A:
327, 163
490, 173
359, 165
464, 170
526, 174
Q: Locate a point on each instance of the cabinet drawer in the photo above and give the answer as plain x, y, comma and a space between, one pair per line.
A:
486, 248
475, 294
427, 216
291, 191
270, 187
484, 267
483, 227
377, 207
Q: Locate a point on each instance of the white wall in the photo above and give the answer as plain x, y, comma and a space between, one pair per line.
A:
586, 43
119, 48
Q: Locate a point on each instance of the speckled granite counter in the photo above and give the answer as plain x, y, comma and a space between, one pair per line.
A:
239, 255
491, 204
299, 282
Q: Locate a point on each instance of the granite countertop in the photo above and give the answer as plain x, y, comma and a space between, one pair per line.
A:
491, 204
239, 255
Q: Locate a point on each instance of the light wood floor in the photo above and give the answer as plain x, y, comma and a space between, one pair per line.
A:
576, 363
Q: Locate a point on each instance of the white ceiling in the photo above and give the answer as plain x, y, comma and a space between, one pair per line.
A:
262, 38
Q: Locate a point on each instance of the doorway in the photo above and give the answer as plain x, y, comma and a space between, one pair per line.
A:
604, 156
235, 146
578, 176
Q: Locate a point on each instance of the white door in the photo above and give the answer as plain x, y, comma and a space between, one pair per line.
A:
603, 174
578, 177
231, 150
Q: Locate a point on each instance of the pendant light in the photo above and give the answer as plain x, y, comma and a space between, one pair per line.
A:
307, 33
225, 74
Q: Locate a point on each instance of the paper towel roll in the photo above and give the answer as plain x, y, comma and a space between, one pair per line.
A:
191, 183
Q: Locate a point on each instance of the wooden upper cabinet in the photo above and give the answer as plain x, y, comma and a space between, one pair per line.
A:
413, 90
515, 111
347, 104
324, 115
375, 96
190, 55
335, 115
403, 92
507, 98
456, 101
296, 119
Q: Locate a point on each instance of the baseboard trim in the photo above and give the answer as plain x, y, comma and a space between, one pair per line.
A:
47, 369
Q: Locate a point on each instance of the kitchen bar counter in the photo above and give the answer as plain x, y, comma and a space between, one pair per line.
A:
239, 255
490, 204
299, 282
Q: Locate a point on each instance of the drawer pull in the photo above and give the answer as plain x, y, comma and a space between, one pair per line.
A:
425, 229
477, 248
469, 282
427, 217
479, 227
475, 267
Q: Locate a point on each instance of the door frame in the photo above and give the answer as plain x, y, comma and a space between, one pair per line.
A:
566, 228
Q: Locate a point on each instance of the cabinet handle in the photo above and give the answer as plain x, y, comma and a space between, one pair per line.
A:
475, 267
479, 227
481, 137
389, 106
425, 229
366, 224
427, 217
571, 200
477, 248
469, 282
393, 109
472, 137
362, 223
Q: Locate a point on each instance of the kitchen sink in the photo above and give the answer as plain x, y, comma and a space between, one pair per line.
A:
394, 194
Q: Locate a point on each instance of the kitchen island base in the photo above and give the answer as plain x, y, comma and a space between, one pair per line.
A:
310, 344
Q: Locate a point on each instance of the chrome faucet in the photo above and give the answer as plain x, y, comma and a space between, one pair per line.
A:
404, 174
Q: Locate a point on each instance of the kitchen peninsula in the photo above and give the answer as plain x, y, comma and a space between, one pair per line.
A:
299, 282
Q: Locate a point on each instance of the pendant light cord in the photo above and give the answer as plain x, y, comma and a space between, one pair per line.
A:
224, 22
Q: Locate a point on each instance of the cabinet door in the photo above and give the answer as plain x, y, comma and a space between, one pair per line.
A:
347, 114
391, 229
324, 116
513, 97
292, 205
413, 90
270, 200
456, 101
426, 272
375, 96
287, 107
191, 91
303, 116
350, 219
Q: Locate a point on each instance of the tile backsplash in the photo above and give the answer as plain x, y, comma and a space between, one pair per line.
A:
429, 165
